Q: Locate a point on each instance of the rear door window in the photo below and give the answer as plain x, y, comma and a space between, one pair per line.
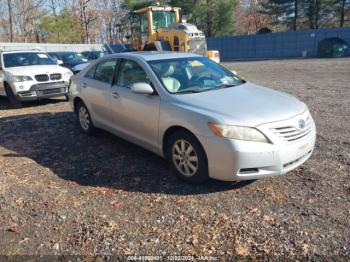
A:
105, 71
131, 72
91, 73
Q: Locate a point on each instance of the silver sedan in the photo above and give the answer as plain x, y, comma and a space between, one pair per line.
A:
203, 118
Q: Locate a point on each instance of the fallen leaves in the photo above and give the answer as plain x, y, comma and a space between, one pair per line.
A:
268, 220
71, 183
19, 201
305, 249
24, 240
13, 218
48, 204
241, 249
117, 205
15, 228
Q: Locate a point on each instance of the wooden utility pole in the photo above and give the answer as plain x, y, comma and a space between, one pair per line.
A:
209, 18
295, 19
342, 13
9, 5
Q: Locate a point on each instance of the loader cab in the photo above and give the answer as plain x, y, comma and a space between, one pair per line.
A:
146, 21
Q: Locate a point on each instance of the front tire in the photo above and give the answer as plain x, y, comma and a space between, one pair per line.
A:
187, 157
84, 119
12, 97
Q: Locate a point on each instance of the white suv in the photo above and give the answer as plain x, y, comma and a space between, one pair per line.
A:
31, 75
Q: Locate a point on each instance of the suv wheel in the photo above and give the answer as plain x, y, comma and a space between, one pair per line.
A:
11, 96
84, 119
187, 157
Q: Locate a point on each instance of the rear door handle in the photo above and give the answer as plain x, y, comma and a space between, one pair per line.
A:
84, 85
115, 95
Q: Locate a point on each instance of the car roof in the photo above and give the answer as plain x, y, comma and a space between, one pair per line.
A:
91, 51
62, 52
154, 55
21, 51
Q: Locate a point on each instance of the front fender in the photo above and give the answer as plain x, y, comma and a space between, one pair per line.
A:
172, 115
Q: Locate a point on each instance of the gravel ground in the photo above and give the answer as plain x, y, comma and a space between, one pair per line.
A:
65, 193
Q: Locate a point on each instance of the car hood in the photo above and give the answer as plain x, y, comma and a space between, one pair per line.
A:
79, 67
246, 105
73, 63
36, 70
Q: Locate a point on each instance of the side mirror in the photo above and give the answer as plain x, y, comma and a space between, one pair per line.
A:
234, 72
59, 62
142, 88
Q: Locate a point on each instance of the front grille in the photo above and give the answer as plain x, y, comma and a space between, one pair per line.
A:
56, 76
43, 86
292, 133
42, 78
51, 91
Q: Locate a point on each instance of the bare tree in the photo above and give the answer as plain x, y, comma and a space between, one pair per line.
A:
87, 17
112, 18
249, 18
27, 14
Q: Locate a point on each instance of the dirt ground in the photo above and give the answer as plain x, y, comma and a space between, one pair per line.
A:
64, 193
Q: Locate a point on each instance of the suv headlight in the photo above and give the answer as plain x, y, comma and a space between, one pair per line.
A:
67, 75
238, 132
21, 78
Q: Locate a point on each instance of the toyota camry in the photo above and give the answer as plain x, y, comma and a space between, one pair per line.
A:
206, 120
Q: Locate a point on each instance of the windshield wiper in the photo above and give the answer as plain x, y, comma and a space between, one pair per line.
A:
189, 91
225, 86
199, 90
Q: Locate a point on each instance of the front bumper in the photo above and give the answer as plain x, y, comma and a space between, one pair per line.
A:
235, 160
43, 90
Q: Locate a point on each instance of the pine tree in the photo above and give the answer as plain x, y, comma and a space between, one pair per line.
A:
284, 12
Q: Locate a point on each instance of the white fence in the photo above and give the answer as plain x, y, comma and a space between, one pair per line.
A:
50, 47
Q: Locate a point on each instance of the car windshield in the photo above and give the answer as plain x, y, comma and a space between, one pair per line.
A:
27, 59
73, 57
193, 75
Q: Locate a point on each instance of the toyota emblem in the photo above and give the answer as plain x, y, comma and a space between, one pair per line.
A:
301, 123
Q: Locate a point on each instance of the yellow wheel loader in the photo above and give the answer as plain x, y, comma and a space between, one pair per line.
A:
156, 28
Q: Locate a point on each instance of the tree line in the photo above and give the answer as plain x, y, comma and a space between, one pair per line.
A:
106, 21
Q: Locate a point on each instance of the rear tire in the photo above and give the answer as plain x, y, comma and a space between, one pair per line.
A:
15, 102
84, 119
187, 157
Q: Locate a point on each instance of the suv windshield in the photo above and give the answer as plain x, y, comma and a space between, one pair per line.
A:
193, 75
27, 59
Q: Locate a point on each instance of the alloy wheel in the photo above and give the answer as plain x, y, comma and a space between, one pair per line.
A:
185, 158
84, 118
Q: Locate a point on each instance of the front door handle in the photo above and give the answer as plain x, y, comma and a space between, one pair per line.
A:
115, 95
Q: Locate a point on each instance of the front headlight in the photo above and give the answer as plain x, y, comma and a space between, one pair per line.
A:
238, 132
68, 75
21, 78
